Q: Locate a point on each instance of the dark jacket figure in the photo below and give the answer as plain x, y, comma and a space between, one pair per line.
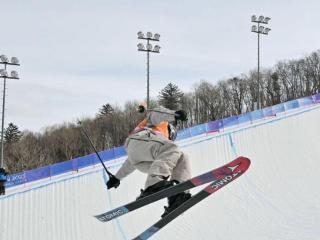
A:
3, 180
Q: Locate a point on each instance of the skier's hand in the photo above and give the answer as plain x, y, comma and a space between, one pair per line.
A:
142, 107
181, 115
113, 182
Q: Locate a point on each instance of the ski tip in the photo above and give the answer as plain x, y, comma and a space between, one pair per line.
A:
244, 161
243, 158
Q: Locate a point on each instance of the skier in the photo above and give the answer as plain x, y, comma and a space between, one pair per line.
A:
151, 150
3, 179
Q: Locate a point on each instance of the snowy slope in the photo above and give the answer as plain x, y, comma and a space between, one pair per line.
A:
278, 197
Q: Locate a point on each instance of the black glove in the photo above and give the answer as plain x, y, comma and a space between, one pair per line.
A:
141, 109
113, 182
181, 115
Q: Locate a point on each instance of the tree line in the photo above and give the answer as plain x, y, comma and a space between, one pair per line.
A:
207, 101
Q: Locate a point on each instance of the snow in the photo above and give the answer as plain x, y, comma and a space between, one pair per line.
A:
277, 198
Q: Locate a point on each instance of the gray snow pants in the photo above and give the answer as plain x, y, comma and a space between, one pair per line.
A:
158, 157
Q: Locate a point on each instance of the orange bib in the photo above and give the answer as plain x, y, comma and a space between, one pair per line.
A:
161, 128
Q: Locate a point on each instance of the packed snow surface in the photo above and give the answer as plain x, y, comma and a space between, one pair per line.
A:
277, 198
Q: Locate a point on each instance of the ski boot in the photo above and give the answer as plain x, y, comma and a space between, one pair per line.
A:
155, 188
175, 201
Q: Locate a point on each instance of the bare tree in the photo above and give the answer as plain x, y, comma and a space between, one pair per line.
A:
238, 90
273, 88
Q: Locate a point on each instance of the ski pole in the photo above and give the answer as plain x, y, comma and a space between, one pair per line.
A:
94, 148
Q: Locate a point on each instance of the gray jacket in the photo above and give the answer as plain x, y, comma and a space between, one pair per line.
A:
154, 116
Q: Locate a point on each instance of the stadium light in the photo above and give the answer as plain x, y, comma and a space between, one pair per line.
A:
156, 48
258, 29
4, 60
3, 73
14, 75
140, 47
156, 36
261, 18
140, 35
148, 48
149, 34
14, 60
266, 20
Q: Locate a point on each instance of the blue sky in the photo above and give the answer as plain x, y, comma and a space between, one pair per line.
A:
78, 55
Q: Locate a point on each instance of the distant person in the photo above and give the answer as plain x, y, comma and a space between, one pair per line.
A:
151, 150
3, 180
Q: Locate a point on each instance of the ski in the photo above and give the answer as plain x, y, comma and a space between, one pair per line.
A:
210, 176
226, 174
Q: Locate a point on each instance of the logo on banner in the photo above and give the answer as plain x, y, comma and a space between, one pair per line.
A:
16, 179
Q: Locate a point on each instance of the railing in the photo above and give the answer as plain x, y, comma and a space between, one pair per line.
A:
214, 126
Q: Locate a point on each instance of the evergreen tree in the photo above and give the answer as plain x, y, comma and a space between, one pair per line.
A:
12, 134
105, 110
170, 97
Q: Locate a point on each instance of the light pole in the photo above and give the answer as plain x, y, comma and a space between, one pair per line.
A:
148, 48
259, 30
4, 74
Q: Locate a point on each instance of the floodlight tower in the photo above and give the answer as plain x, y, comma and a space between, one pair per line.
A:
148, 48
4, 60
259, 30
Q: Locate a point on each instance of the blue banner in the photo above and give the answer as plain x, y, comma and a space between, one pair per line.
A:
316, 98
278, 108
94, 158
84, 161
199, 129
214, 126
256, 115
244, 118
62, 167
107, 154
230, 121
183, 133
268, 112
291, 104
119, 152
306, 101
36, 174
16, 179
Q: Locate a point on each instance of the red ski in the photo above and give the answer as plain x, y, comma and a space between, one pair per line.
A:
237, 166
222, 176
